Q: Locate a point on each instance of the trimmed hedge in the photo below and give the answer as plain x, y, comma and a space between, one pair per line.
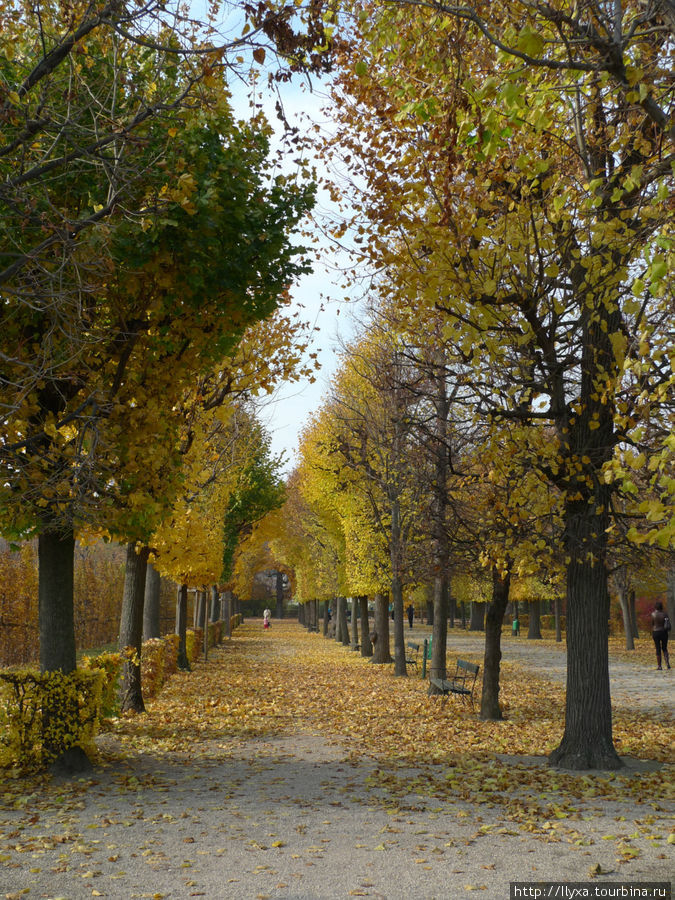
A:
29, 736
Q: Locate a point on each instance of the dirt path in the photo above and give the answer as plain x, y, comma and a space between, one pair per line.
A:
297, 814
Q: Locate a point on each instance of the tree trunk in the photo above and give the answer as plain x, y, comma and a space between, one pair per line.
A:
633, 614
151, 608
366, 645
214, 604
395, 549
131, 628
429, 604
181, 626
462, 613
439, 642
477, 620
381, 652
587, 740
534, 626
557, 609
489, 703
56, 553
226, 603
280, 595
355, 623
452, 607
625, 613
326, 609
342, 632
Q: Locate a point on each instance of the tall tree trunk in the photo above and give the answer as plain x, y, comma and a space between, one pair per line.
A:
56, 553
280, 595
557, 609
587, 740
439, 633
326, 610
621, 583
429, 606
131, 627
534, 620
633, 614
226, 612
181, 626
489, 703
625, 614
477, 620
439, 534
366, 645
462, 613
342, 631
215, 605
151, 607
355, 623
381, 652
400, 667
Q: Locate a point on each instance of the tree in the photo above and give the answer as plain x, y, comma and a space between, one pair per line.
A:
542, 200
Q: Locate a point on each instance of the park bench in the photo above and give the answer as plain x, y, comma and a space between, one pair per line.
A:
462, 682
412, 651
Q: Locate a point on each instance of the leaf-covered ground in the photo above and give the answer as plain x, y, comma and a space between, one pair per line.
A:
266, 697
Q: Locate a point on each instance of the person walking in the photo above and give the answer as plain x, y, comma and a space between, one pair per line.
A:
267, 615
411, 614
660, 629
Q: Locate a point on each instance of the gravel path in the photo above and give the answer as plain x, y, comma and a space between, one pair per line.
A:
631, 683
295, 817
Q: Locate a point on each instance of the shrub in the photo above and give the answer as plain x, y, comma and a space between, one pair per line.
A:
31, 737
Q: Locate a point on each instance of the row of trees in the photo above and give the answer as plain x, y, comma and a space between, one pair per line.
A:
147, 250
512, 405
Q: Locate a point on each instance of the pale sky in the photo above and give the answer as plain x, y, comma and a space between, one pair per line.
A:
320, 294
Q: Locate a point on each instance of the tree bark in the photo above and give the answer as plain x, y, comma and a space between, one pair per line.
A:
557, 611
477, 619
439, 643
587, 740
633, 614
342, 632
366, 645
131, 627
227, 613
56, 553
400, 667
326, 609
489, 704
151, 607
381, 652
355, 623
280, 595
181, 626
621, 583
534, 623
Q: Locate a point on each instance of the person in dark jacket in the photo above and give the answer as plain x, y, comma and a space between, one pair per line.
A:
660, 628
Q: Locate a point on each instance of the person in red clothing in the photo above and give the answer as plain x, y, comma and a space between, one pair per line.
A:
660, 629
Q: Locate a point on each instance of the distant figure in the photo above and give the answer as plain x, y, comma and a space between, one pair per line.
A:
660, 629
411, 614
267, 615
516, 627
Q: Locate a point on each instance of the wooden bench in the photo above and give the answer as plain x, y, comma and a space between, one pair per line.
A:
412, 651
462, 682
